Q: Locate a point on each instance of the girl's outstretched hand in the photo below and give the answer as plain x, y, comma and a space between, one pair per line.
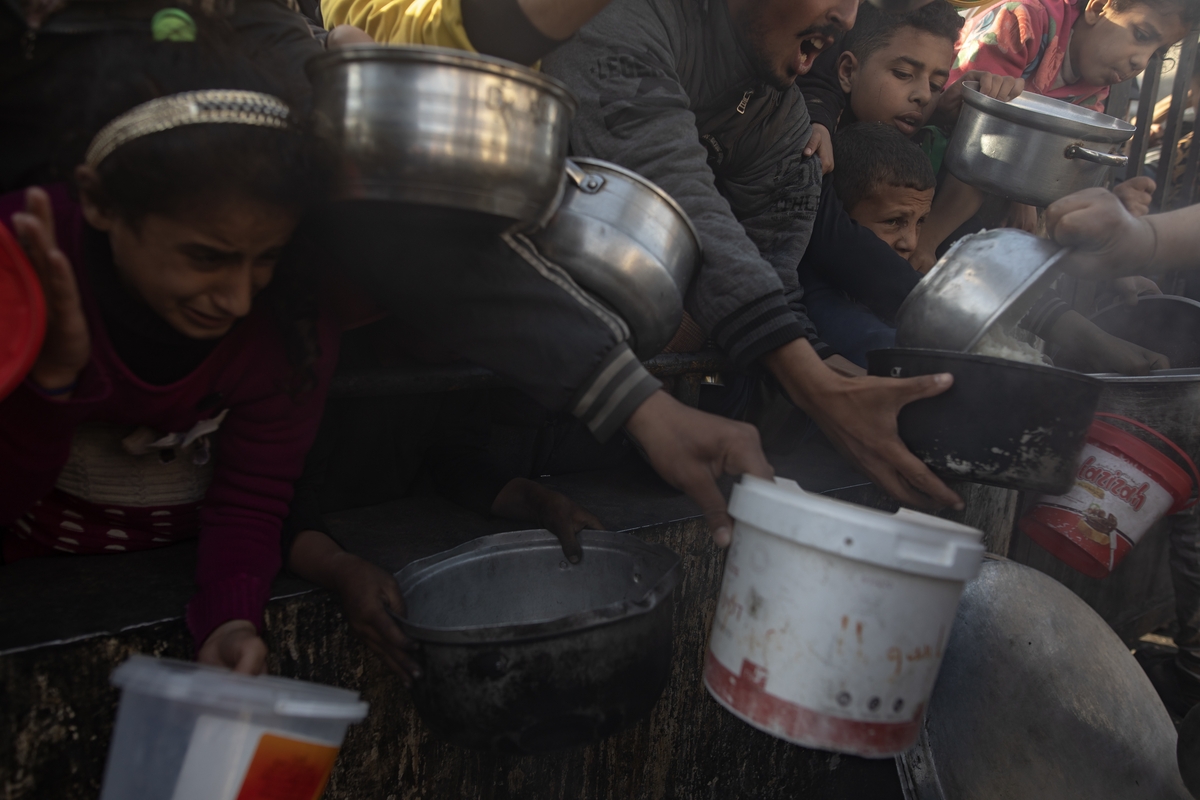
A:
68, 345
235, 645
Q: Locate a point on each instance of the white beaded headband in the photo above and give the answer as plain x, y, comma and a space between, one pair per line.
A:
189, 108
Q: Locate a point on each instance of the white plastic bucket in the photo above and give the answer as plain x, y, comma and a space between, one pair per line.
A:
190, 732
832, 618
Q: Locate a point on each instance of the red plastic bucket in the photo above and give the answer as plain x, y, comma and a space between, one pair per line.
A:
1122, 487
22, 314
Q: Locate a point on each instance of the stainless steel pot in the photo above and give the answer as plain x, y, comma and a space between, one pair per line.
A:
986, 279
1038, 699
1033, 149
438, 127
1167, 400
526, 652
629, 243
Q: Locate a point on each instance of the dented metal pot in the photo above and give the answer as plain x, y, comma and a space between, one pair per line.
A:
524, 652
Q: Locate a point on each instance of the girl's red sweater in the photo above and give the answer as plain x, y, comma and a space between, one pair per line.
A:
61, 481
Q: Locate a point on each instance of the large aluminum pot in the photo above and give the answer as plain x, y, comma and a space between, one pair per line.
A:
1033, 149
629, 243
1038, 699
438, 127
525, 652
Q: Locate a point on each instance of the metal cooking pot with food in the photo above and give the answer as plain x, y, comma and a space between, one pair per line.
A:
1003, 423
628, 242
1033, 149
986, 279
438, 127
525, 652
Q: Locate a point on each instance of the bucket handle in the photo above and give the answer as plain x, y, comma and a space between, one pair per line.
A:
1178, 450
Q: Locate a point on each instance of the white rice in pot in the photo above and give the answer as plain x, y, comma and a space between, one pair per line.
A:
999, 343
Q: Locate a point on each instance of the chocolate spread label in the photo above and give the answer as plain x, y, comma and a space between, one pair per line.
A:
1112, 497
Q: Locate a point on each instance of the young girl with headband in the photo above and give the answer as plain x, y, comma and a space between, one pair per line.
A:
185, 363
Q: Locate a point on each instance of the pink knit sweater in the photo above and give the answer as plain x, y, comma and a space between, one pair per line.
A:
100, 472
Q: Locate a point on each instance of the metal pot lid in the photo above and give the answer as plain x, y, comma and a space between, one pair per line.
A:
518, 586
984, 279
1038, 699
443, 56
1047, 114
599, 165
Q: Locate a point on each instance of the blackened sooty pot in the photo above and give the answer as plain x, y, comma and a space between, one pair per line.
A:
1003, 423
524, 652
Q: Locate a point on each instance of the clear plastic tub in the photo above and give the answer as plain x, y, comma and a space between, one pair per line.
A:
190, 732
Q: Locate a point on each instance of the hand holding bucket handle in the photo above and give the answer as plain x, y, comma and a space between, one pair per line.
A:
1178, 451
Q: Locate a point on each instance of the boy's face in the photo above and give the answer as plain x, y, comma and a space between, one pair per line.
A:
894, 214
1110, 46
900, 83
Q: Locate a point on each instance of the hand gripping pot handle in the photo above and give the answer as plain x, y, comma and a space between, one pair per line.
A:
1179, 451
1095, 156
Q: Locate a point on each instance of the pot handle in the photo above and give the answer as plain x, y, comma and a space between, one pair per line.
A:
1179, 451
587, 182
1095, 156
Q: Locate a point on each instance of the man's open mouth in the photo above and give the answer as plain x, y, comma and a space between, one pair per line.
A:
810, 47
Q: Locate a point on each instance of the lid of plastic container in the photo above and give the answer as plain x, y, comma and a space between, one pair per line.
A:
188, 682
23, 315
908, 541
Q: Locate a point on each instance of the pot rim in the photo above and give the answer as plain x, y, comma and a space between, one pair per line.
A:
442, 56
1156, 376
975, 358
642, 180
1097, 126
571, 623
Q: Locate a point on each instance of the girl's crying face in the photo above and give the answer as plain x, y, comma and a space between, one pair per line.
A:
198, 269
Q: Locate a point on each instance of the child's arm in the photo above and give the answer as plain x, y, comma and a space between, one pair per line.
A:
956, 203
523, 500
38, 420
368, 595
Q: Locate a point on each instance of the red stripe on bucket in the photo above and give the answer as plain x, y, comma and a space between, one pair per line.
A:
746, 696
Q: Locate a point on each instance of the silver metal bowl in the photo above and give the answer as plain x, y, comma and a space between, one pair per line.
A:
1033, 149
629, 243
986, 279
1038, 699
438, 127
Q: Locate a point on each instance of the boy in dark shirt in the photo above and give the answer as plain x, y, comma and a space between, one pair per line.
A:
872, 207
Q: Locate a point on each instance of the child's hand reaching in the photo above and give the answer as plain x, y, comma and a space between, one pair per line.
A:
821, 143
369, 596
1021, 217
1130, 288
235, 645
68, 345
526, 501
1135, 194
1001, 87
370, 600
